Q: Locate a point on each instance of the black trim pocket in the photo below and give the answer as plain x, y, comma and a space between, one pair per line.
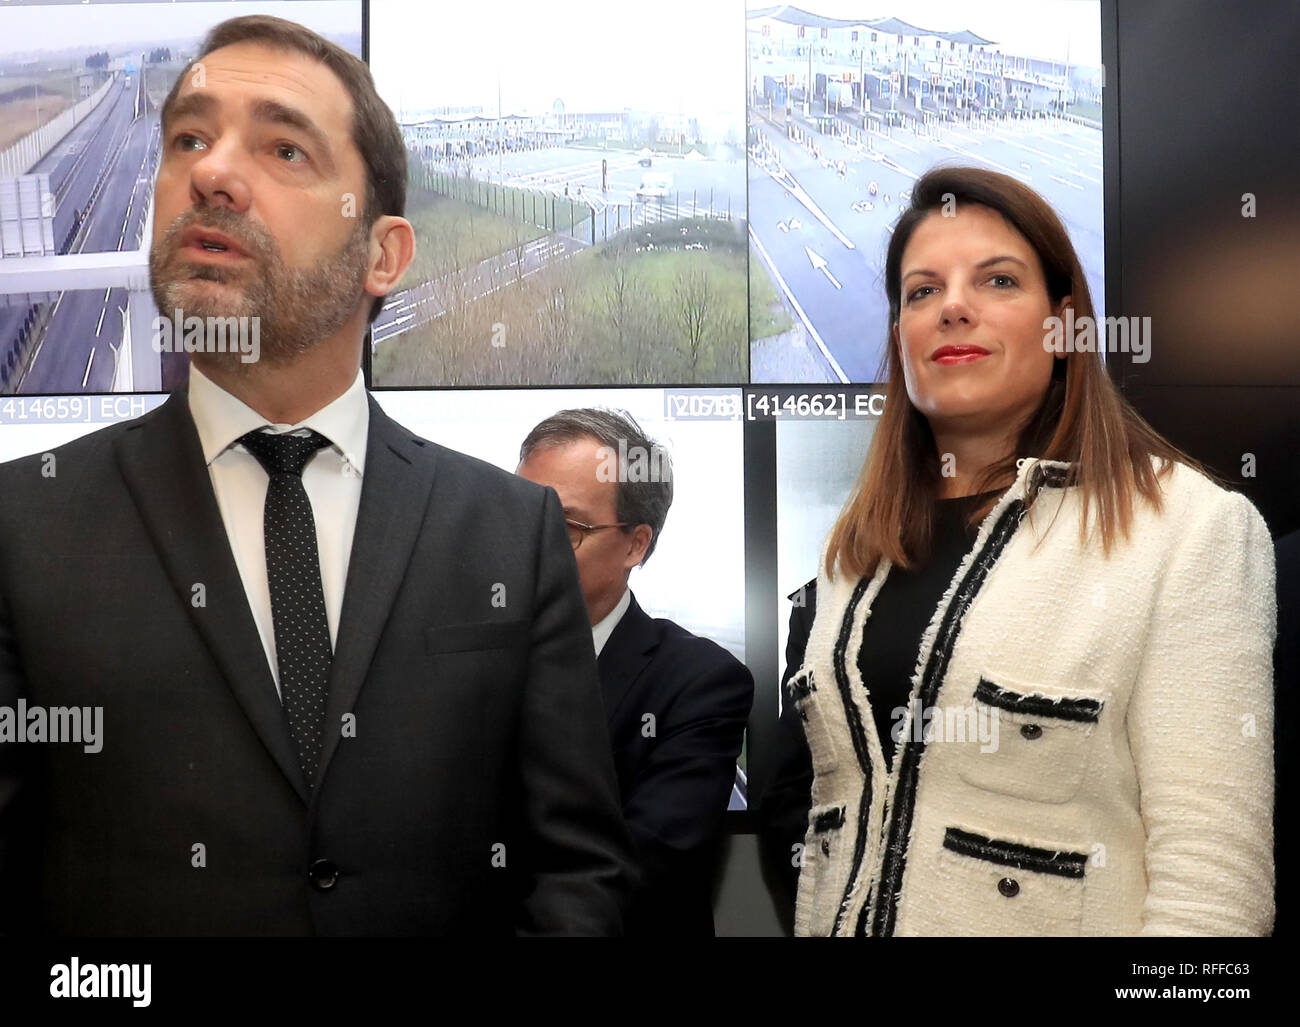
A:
824, 868
1043, 741
801, 689
1079, 709
1013, 854
828, 820
977, 884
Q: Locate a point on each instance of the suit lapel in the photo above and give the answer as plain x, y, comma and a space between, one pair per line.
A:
162, 464
398, 480
626, 653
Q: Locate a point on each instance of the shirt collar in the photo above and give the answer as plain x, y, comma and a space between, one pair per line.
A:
602, 629
222, 419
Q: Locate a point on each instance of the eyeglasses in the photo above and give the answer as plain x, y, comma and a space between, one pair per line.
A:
578, 531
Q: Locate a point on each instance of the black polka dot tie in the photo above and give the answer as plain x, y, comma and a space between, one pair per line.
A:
302, 634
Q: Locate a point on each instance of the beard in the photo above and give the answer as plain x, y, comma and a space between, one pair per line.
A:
297, 307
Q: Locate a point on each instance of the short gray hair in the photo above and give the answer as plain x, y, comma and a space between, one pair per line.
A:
638, 502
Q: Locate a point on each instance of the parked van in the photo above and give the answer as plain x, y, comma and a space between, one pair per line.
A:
655, 185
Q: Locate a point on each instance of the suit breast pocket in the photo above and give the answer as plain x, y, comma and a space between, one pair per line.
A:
476, 672
462, 638
997, 887
1043, 740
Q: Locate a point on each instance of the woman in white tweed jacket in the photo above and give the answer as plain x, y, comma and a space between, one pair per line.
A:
1114, 619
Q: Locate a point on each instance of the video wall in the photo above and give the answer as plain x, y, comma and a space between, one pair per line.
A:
680, 211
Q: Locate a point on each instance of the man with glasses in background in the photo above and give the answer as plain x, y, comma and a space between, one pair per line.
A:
676, 704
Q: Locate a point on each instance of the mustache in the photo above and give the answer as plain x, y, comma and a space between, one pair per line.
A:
253, 240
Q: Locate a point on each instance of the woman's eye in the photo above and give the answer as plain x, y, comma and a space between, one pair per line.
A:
1010, 281
916, 293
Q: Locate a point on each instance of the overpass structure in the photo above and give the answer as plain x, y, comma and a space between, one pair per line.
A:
79, 224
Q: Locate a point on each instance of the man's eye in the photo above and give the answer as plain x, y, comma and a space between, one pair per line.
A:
302, 156
180, 140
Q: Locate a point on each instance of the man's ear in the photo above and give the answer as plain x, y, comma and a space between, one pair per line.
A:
641, 537
392, 248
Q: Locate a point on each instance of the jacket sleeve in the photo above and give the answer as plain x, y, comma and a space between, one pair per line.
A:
1200, 726
16, 894
578, 848
676, 803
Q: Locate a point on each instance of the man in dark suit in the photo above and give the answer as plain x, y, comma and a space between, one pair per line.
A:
676, 704
344, 674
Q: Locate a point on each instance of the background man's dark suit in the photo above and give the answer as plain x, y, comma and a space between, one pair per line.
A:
674, 785
476, 725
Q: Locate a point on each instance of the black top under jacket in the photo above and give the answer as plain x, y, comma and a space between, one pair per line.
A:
891, 642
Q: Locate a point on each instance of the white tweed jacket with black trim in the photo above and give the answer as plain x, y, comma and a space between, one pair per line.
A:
1131, 787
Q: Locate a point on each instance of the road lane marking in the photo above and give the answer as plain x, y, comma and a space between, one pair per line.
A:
819, 264
821, 345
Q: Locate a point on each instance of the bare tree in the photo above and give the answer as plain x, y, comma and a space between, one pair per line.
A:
695, 301
555, 316
622, 290
518, 249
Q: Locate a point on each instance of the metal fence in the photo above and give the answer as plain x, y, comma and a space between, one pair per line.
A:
585, 219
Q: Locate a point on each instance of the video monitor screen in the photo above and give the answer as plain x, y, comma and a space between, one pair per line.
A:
81, 88
578, 193
849, 104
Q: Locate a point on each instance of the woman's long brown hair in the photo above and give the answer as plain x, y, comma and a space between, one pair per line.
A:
1082, 418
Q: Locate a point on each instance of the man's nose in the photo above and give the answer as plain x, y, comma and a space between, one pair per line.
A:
217, 178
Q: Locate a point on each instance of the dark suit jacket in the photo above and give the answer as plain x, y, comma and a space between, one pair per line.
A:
675, 773
479, 734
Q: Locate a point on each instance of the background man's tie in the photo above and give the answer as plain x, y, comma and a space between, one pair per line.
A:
302, 634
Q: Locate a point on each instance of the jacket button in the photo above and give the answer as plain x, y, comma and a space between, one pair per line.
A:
1031, 731
1009, 887
324, 874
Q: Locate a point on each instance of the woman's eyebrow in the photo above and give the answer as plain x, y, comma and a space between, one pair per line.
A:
978, 267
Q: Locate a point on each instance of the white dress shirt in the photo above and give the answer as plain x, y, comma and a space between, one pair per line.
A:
332, 480
602, 629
